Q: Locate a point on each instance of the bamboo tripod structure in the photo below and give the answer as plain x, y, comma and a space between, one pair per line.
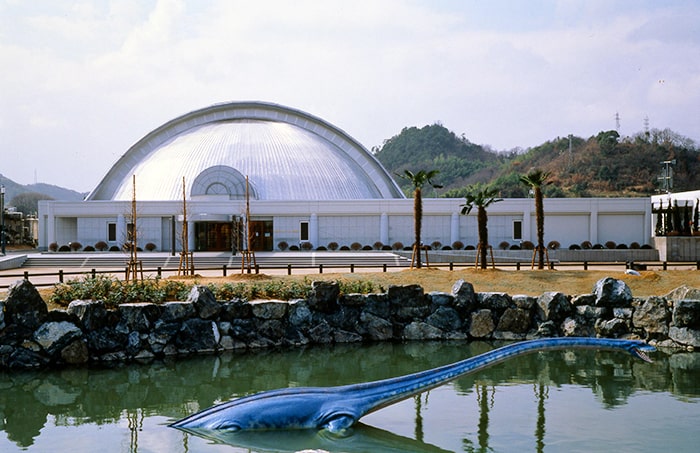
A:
186, 266
546, 256
478, 255
414, 258
247, 255
134, 266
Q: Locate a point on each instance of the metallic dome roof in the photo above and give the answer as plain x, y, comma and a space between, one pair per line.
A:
286, 154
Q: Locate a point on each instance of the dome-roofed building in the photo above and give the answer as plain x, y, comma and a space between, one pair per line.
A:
309, 185
285, 153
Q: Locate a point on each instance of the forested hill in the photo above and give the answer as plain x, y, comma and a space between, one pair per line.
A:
435, 147
603, 165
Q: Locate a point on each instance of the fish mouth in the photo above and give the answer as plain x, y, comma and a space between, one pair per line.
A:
641, 352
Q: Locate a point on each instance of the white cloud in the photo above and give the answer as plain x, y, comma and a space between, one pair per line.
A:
89, 79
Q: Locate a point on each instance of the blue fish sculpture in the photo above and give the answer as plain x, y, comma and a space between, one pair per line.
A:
338, 408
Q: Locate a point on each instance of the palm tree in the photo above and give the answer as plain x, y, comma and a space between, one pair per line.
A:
535, 180
418, 180
481, 197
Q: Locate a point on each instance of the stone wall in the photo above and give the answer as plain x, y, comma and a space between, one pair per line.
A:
88, 332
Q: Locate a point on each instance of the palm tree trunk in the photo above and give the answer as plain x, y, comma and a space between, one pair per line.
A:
539, 214
418, 219
483, 234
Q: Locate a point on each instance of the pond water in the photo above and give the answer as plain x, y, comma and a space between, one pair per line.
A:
556, 401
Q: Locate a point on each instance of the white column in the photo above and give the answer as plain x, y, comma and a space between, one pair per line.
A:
190, 236
593, 228
454, 229
527, 224
121, 230
50, 225
384, 229
313, 230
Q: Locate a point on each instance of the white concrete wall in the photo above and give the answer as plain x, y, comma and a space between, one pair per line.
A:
569, 221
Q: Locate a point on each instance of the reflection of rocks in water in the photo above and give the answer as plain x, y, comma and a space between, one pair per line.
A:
685, 372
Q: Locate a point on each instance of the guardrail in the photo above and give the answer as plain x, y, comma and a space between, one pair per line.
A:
159, 272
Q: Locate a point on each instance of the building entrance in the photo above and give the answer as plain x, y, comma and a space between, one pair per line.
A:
229, 236
213, 236
261, 235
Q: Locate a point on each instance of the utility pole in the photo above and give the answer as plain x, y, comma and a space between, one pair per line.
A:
666, 177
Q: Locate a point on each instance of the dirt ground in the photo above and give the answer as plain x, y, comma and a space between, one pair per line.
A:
532, 283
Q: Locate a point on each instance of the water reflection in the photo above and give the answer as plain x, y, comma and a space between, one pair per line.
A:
31, 403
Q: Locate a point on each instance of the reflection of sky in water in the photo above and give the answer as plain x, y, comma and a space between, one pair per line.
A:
590, 403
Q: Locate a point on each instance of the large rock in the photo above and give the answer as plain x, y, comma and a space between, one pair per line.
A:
686, 313
407, 296
374, 327
422, 331
514, 320
24, 306
610, 292
378, 305
236, 309
684, 292
198, 335
494, 301
464, 297
554, 306
685, 336
482, 324
106, 340
176, 311
324, 296
54, 336
92, 313
76, 352
298, 313
138, 316
445, 318
204, 302
652, 315
269, 309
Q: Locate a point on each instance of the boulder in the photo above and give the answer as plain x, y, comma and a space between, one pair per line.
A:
374, 327
269, 309
464, 297
445, 318
494, 301
685, 336
377, 305
553, 306
197, 335
324, 296
441, 299
610, 292
91, 313
652, 315
298, 313
686, 313
684, 292
176, 311
235, 309
204, 301
24, 306
321, 333
407, 296
481, 325
138, 316
352, 300
514, 320
612, 328
422, 331
54, 336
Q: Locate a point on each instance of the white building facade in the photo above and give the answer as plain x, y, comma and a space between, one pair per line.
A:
302, 181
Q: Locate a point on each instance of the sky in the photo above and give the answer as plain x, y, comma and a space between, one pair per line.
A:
82, 81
